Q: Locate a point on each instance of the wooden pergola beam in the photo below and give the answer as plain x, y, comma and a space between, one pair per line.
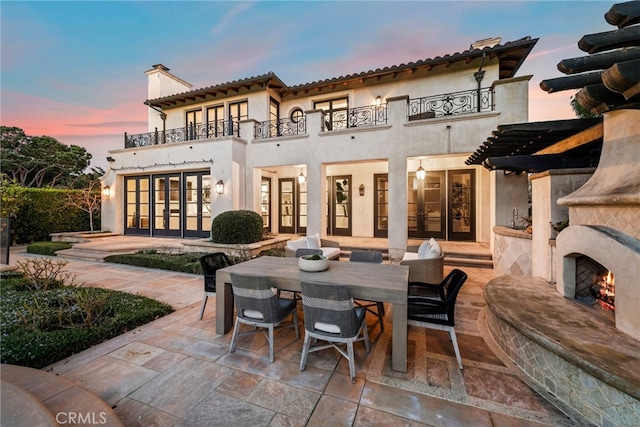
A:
600, 42
585, 137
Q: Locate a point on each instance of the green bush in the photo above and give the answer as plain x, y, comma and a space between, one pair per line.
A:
47, 248
237, 227
40, 212
42, 327
185, 263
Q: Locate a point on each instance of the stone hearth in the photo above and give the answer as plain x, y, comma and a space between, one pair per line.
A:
604, 215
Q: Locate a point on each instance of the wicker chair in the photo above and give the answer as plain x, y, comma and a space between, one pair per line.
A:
437, 312
429, 270
330, 315
374, 257
258, 305
210, 264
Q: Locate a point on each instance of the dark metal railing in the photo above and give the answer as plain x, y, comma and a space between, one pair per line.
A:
369, 115
281, 127
192, 132
450, 104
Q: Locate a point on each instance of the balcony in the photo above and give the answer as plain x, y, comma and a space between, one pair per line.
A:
450, 104
281, 127
370, 115
192, 132
443, 105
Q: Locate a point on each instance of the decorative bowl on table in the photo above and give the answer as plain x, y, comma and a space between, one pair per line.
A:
312, 263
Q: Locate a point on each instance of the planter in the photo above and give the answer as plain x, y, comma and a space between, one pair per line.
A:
313, 263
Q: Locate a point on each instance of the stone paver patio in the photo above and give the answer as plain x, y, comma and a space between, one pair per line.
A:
176, 371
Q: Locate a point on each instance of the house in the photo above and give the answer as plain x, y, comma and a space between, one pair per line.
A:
380, 153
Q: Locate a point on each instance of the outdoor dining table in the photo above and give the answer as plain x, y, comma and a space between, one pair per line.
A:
366, 281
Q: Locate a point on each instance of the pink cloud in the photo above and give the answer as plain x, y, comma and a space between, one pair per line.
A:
38, 116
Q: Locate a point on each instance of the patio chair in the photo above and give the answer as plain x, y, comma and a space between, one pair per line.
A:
210, 264
258, 305
330, 316
437, 313
374, 257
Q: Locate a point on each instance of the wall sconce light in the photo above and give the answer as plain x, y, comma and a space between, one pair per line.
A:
106, 191
378, 100
421, 173
361, 189
110, 159
220, 187
301, 178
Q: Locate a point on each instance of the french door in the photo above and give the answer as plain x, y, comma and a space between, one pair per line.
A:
166, 205
426, 200
137, 205
197, 204
287, 203
461, 215
381, 205
265, 204
339, 220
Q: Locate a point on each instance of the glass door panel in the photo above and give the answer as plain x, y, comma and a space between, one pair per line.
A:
265, 203
287, 205
137, 205
381, 205
341, 206
302, 207
197, 204
166, 205
425, 204
461, 214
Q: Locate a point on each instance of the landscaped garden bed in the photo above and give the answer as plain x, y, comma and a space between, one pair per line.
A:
45, 316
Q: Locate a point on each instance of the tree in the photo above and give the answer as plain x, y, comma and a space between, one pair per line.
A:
580, 111
86, 199
39, 161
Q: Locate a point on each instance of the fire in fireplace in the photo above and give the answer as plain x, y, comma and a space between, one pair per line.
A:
603, 290
595, 286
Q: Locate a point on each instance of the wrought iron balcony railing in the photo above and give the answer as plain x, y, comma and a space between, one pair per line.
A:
190, 133
282, 127
450, 104
369, 115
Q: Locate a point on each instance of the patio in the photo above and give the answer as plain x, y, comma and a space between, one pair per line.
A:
177, 370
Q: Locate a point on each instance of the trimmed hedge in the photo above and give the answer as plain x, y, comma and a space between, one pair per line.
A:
237, 227
40, 212
47, 248
185, 263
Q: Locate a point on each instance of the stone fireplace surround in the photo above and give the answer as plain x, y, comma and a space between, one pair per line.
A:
604, 217
580, 361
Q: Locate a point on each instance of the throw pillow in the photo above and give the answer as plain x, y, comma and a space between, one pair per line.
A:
435, 250
313, 242
423, 249
297, 244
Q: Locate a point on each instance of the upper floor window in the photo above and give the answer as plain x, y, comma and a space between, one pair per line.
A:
296, 115
193, 123
239, 111
215, 121
335, 112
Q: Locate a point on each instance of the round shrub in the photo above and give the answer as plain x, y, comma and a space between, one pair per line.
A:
236, 227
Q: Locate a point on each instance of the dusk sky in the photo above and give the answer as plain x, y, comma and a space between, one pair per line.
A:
75, 70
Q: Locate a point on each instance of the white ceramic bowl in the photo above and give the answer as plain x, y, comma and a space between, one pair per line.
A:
312, 265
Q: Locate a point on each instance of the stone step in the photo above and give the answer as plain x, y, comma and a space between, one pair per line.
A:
454, 259
88, 254
21, 408
62, 398
468, 262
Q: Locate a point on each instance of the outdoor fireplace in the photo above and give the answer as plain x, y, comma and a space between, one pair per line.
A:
595, 286
604, 236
